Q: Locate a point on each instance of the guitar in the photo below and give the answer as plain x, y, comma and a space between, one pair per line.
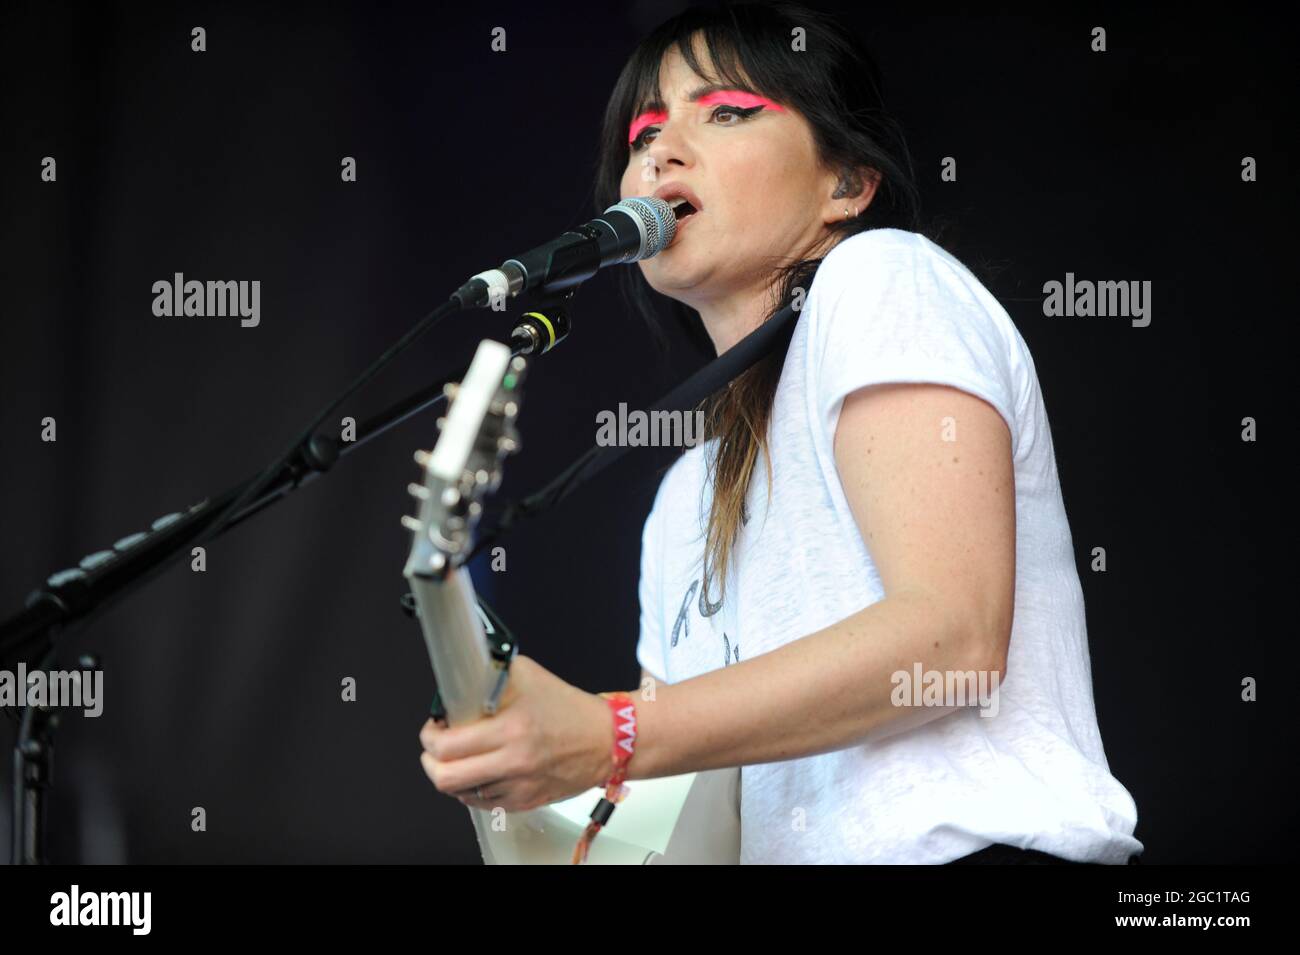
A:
692, 818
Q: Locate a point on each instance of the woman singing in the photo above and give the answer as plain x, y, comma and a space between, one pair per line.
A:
807, 619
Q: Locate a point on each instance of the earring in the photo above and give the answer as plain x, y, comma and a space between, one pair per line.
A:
846, 212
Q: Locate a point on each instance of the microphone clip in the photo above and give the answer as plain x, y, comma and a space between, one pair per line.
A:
544, 325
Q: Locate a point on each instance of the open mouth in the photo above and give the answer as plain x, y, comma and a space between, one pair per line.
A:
683, 209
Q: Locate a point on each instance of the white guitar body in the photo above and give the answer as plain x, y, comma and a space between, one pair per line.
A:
688, 819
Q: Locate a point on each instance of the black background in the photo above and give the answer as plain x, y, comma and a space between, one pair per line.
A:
223, 688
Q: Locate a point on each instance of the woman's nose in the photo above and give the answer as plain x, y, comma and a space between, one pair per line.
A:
670, 147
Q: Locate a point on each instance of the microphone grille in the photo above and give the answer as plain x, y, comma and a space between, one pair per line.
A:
658, 223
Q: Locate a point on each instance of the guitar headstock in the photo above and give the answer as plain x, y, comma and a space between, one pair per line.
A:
464, 467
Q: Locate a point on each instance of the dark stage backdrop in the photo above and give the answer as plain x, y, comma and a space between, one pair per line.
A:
223, 688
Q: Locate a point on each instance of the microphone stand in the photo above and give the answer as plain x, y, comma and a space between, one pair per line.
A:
72, 598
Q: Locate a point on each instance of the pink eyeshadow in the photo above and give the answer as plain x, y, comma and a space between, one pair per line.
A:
730, 97
642, 121
739, 98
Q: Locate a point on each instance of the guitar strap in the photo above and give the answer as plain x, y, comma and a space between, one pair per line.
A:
685, 397
710, 379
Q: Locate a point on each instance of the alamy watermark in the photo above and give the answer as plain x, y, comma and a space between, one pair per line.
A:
83, 689
1085, 298
946, 688
78, 908
178, 298
654, 429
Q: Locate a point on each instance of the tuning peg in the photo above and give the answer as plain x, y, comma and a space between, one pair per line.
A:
441, 421
418, 491
451, 389
507, 444
423, 458
411, 523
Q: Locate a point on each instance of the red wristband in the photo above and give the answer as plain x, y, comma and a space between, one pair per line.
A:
623, 710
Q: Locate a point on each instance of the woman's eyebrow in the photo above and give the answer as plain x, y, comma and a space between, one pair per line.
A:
706, 95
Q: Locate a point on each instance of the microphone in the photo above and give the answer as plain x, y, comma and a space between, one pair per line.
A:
636, 228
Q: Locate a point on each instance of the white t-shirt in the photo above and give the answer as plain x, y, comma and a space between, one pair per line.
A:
891, 306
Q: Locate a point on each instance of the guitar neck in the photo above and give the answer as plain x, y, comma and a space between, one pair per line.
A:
457, 644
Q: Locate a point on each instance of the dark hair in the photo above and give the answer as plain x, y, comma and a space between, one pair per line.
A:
834, 83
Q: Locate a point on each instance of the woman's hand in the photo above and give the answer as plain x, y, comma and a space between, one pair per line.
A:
547, 741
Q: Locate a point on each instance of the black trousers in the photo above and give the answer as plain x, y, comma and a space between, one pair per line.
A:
1000, 854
